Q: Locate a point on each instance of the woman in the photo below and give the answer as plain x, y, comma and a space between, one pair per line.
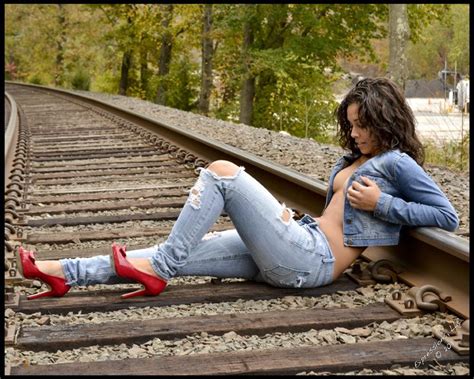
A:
372, 192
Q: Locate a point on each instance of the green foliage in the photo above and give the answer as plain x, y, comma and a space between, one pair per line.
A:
107, 82
137, 92
81, 80
420, 16
36, 79
184, 80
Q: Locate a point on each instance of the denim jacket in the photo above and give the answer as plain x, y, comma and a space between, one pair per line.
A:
408, 197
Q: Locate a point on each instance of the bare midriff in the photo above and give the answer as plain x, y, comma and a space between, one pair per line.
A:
331, 222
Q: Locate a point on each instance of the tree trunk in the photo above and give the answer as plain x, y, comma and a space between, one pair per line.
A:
126, 64
399, 33
125, 69
59, 74
165, 55
144, 72
206, 66
247, 92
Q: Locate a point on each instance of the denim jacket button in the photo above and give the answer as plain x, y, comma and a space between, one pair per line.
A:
349, 221
349, 242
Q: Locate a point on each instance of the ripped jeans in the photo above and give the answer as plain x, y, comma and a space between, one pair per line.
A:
263, 246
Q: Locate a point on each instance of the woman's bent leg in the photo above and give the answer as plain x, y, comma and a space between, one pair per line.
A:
286, 253
203, 207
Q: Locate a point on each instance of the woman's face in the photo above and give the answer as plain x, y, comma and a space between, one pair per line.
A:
362, 136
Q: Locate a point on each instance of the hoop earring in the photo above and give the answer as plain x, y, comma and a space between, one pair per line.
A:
393, 144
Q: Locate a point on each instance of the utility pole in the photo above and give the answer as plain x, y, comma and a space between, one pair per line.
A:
445, 75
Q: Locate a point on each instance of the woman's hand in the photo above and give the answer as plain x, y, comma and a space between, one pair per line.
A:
363, 197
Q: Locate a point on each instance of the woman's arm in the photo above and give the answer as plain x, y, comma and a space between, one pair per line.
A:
422, 203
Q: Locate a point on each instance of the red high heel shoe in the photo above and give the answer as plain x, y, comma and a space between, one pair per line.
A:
26, 264
153, 285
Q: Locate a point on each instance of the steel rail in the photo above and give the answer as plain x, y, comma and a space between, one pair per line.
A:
427, 255
11, 136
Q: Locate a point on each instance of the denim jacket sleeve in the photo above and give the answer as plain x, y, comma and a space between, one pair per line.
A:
421, 202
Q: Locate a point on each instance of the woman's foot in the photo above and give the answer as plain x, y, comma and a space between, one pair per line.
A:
53, 268
142, 273
143, 265
52, 276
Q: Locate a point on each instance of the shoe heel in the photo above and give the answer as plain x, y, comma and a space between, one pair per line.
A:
19, 264
153, 285
140, 292
28, 269
41, 294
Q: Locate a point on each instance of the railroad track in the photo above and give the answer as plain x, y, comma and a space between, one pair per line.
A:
83, 174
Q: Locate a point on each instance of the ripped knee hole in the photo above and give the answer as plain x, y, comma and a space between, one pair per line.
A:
223, 168
286, 214
195, 194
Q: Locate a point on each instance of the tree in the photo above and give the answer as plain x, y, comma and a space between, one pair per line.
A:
124, 71
60, 42
293, 42
165, 55
207, 53
399, 34
247, 92
144, 71
126, 64
122, 19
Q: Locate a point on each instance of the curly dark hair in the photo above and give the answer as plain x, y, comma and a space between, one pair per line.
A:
385, 112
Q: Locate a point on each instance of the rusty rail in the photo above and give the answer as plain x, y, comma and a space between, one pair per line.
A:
11, 134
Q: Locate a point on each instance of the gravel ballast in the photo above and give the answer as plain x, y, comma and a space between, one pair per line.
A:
204, 343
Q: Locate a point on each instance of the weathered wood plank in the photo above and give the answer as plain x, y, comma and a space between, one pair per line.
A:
111, 144
103, 171
98, 206
46, 151
127, 193
66, 237
103, 301
184, 173
112, 150
151, 151
105, 219
333, 358
52, 338
46, 170
38, 140
159, 157
32, 238
41, 195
